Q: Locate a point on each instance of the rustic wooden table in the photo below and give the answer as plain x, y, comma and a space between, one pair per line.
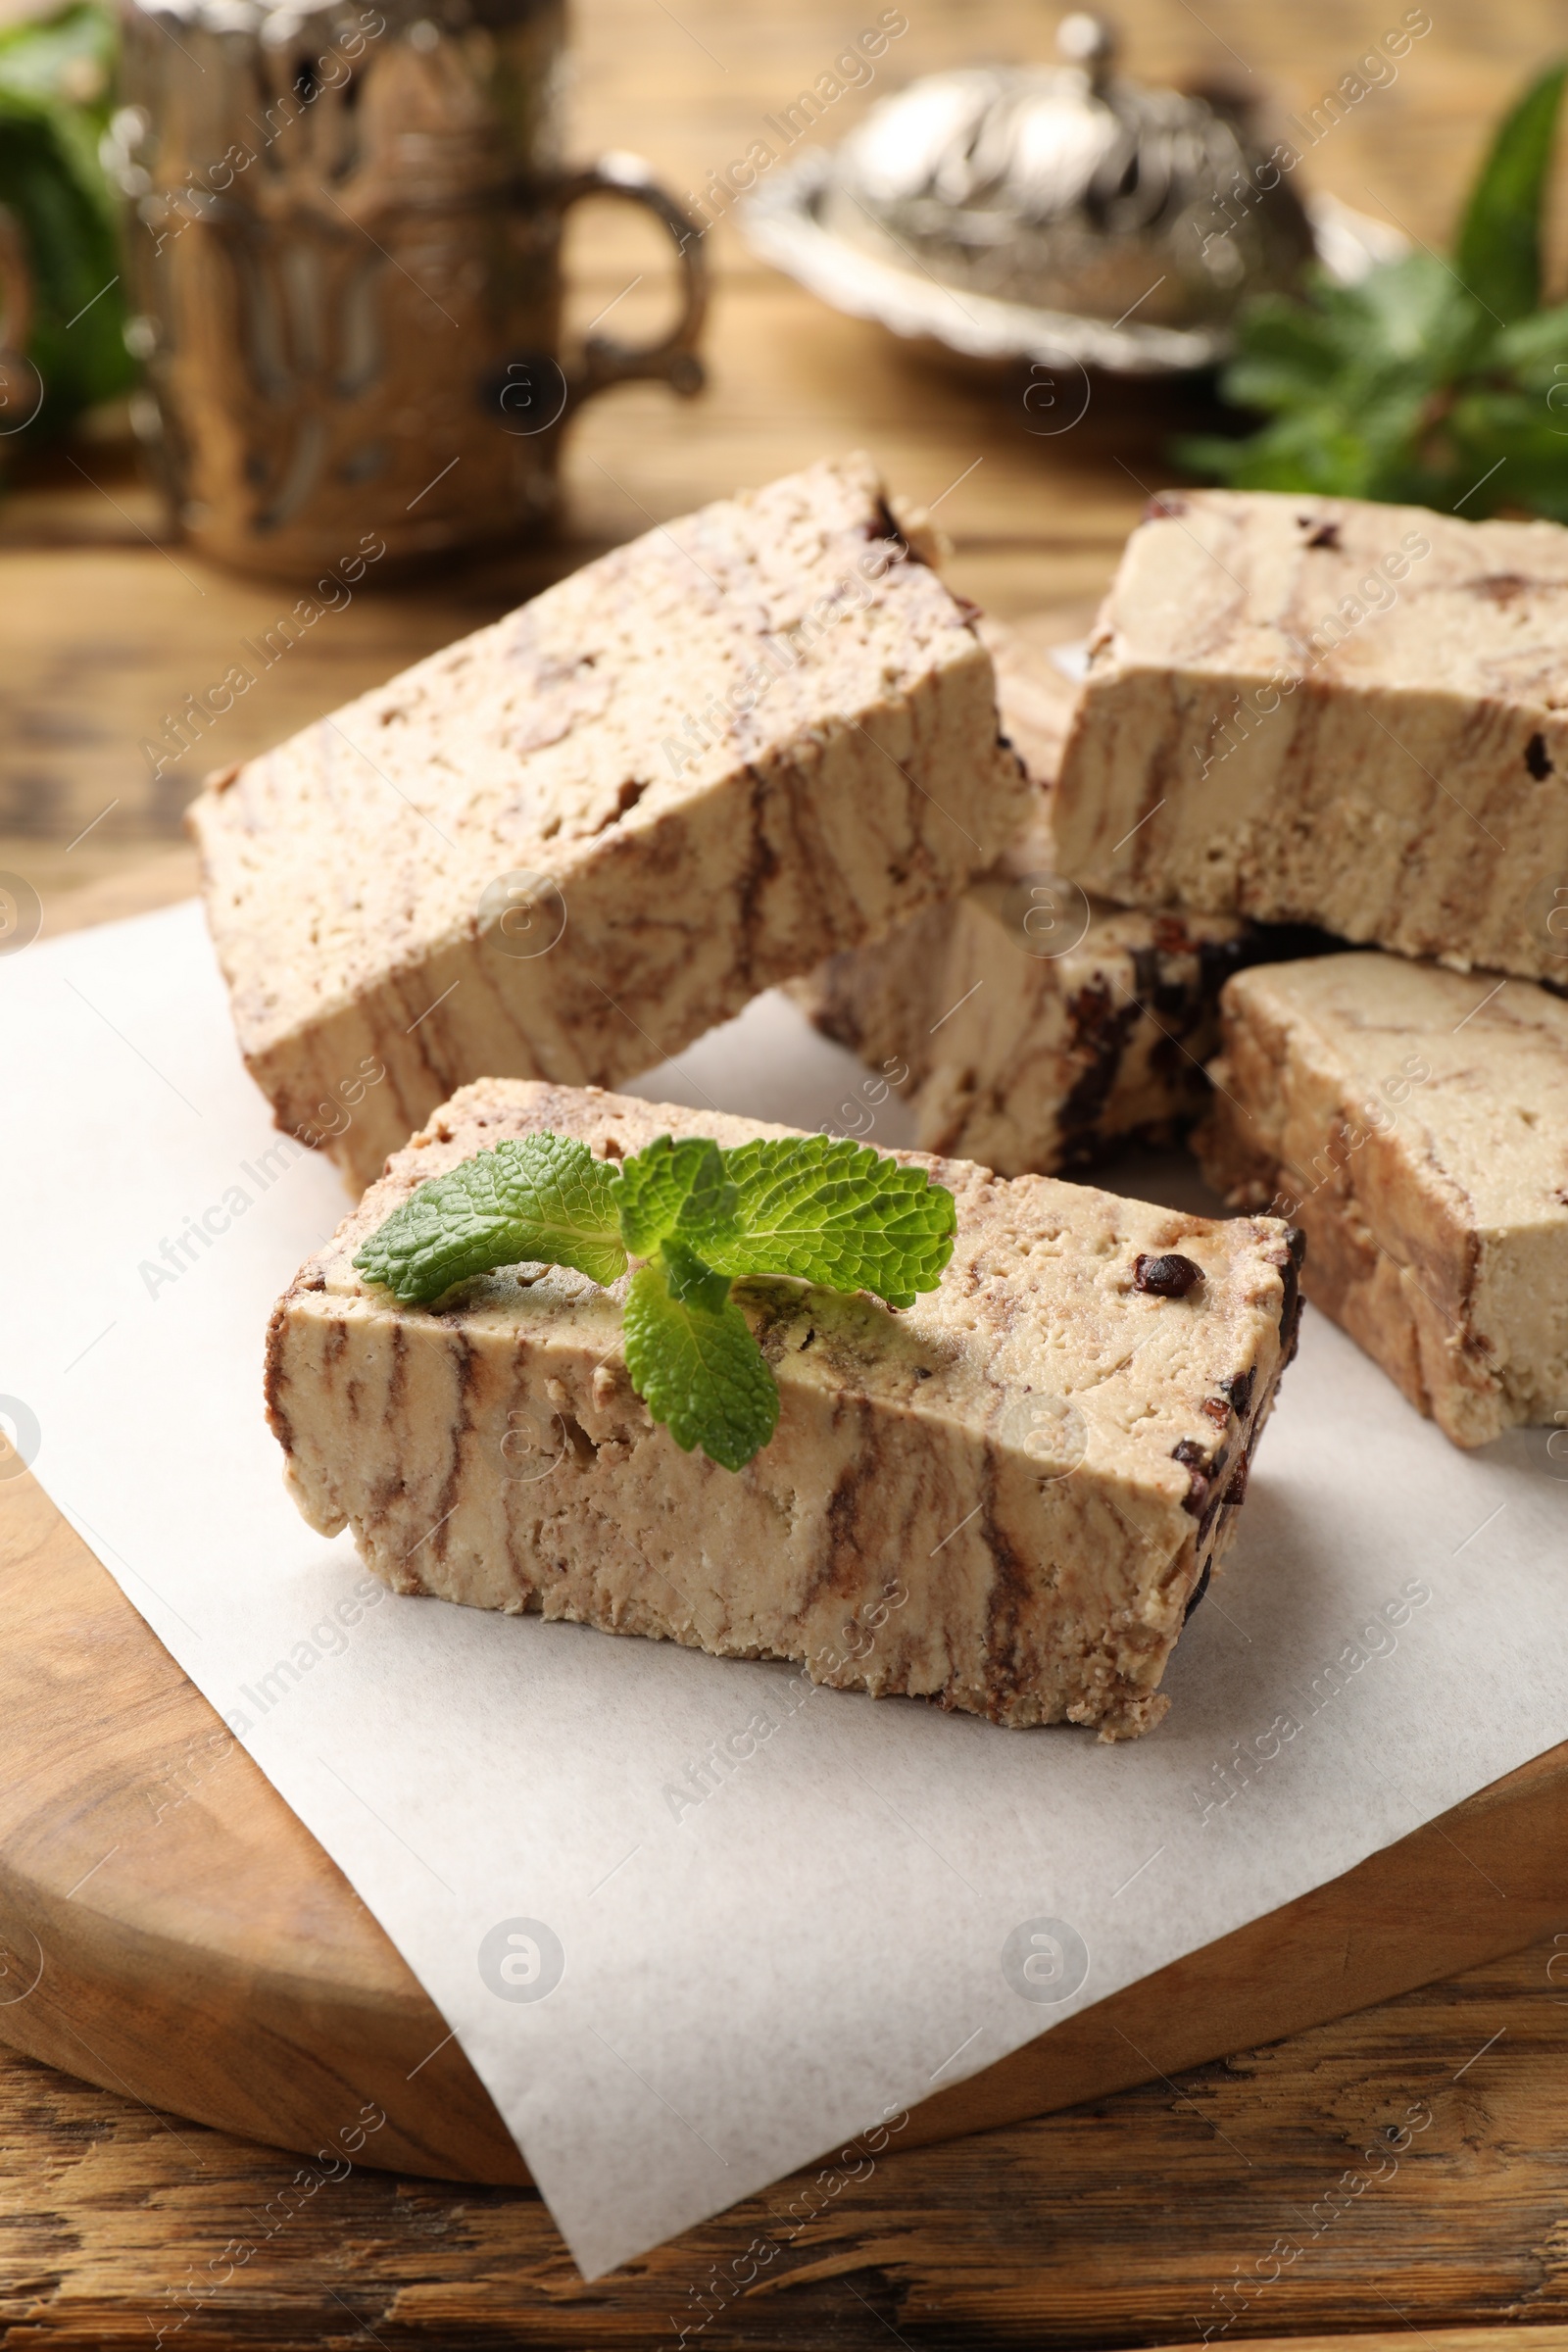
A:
1236, 2203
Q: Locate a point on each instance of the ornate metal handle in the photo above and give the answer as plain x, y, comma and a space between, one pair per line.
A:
674, 359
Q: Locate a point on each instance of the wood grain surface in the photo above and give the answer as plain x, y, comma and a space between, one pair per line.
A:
1240, 2198
1235, 2198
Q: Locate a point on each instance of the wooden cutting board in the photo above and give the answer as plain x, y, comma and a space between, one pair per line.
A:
170, 1929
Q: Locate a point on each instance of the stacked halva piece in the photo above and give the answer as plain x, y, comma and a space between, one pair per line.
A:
1295, 712
1037, 1025
569, 843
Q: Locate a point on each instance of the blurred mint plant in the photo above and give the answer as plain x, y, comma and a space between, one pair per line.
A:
56, 83
1427, 382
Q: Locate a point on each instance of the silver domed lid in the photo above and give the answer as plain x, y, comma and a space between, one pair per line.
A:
1073, 188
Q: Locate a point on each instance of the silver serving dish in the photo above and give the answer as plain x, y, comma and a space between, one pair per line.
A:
1059, 214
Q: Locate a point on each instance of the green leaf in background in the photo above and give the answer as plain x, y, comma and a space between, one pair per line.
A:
694, 1362
1498, 252
55, 96
1424, 383
66, 58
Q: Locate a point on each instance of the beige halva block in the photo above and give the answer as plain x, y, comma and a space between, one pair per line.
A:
1004, 1500
1033, 1026
1414, 1123
566, 845
1310, 710
1026, 1061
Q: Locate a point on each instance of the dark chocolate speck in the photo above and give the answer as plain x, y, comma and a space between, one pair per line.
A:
1169, 1277
1194, 1457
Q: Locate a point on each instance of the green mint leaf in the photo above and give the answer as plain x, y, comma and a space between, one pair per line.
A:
1289, 352
1350, 382
1421, 384
1516, 433
835, 1212
694, 1362
541, 1199
1407, 320
1533, 347
1498, 250
56, 98
671, 1188
691, 1282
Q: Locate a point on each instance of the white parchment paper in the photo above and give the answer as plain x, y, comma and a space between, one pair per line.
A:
693, 1921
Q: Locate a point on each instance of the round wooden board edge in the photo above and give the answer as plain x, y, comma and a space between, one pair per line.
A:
224, 1969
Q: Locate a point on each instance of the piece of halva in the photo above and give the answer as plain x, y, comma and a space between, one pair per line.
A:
568, 845
1316, 709
1025, 1060
1414, 1123
1029, 1025
1005, 1499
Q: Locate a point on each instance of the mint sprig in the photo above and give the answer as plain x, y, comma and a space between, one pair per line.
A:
823, 1209
1425, 382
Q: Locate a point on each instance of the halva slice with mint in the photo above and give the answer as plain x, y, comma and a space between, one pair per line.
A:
1006, 1498
1317, 710
566, 845
1414, 1123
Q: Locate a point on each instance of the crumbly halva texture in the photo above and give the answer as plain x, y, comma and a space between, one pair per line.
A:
1034, 1027
569, 843
1004, 1499
1414, 1123
1319, 711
